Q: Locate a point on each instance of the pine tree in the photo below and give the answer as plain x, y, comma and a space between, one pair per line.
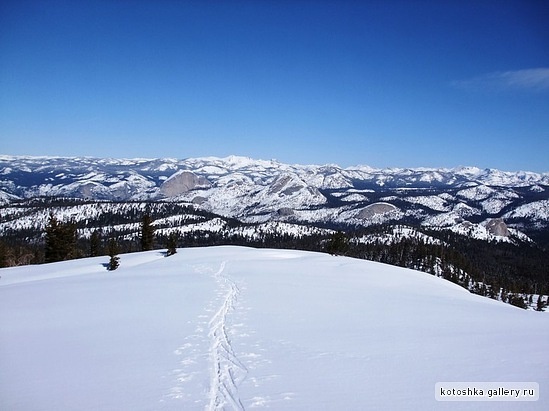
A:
3, 255
114, 261
172, 244
60, 240
95, 244
517, 300
147, 233
52, 240
338, 244
540, 304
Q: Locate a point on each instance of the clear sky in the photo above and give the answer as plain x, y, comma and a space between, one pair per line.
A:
382, 83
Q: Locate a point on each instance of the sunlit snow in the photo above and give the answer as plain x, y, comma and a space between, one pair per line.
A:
240, 328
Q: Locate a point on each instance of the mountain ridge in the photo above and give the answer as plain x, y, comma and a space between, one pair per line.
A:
238, 160
464, 199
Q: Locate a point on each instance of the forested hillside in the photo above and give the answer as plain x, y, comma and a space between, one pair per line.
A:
52, 229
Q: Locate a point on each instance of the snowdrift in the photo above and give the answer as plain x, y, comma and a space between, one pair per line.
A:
239, 328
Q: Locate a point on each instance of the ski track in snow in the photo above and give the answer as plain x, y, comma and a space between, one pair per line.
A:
227, 371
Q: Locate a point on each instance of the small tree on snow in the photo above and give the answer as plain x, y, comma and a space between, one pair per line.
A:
147, 233
517, 300
95, 244
540, 303
114, 261
172, 244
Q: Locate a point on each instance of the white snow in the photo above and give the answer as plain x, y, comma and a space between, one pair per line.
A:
495, 205
255, 190
354, 198
479, 192
436, 203
396, 234
239, 328
538, 210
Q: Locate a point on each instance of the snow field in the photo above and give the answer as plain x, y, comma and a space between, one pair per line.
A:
237, 328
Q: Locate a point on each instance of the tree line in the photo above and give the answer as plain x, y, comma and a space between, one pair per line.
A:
514, 273
60, 241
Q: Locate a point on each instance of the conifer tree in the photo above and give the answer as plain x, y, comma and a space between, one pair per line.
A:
517, 300
172, 244
52, 240
338, 244
3, 254
95, 244
114, 261
60, 240
147, 233
540, 305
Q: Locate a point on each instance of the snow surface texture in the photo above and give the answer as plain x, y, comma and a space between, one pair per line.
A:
237, 328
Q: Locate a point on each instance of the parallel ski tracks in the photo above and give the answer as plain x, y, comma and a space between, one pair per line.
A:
227, 371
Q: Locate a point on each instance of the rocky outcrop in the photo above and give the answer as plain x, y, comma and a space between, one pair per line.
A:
497, 227
285, 212
286, 185
375, 209
181, 182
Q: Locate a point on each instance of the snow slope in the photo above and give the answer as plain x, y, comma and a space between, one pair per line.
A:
239, 328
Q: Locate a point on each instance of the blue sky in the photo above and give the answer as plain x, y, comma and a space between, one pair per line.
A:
381, 83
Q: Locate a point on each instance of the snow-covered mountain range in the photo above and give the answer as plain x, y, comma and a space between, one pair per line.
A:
484, 203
